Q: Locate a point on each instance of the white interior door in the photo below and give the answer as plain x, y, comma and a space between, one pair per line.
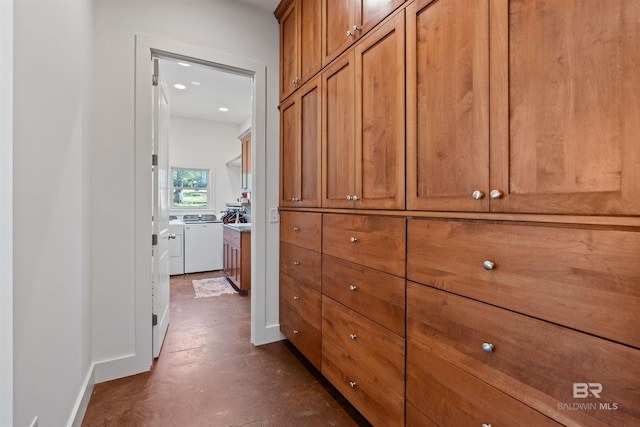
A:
160, 251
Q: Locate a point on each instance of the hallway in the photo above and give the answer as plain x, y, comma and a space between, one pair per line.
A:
208, 374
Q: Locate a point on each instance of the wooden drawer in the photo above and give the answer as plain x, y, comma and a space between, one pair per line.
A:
303, 300
375, 241
301, 264
375, 349
372, 293
369, 370
232, 236
584, 278
302, 334
302, 229
451, 397
532, 360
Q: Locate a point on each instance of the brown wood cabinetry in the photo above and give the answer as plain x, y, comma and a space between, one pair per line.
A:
245, 141
447, 104
300, 144
300, 43
363, 123
300, 282
237, 257
346, 21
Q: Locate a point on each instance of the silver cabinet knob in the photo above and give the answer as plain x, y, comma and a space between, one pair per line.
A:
353, 337
296, 332
295, 199
296, 263
355, 29
353, 288
487, 347
349, 197
486, 425
352, 384
477, 194
296, 228
495, 194
356, 198
296, 297
489, 265
172, 236
353, 239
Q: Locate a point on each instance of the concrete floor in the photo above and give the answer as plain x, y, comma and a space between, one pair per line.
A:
208, 374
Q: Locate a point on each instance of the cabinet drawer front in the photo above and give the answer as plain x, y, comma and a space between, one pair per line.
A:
378, 296
535, 361
375, 241
305, 301
231, 236
304, 336
375, 350
416, 418
451, 397
301, 229
301, 264
587, 279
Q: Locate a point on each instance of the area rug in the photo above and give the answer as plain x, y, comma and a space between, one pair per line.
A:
212, 287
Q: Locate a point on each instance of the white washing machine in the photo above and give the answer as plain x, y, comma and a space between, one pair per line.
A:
176, 247
202, 243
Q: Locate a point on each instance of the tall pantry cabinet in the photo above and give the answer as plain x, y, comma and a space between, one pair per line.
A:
476, 224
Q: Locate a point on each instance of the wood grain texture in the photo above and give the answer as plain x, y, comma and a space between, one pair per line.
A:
447, 105
301, 264
302, 229
289, 151
533, 361
300, 320
310, 38
378, 296
564, 106
288, 49
582, 278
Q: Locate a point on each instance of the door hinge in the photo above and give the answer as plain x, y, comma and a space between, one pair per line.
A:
154, 239
154, 80
154, 160
154, 319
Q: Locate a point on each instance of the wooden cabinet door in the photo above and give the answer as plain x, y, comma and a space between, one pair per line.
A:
338, 17
310, 33
288, 49
300, 139
380, 117
447, 109
338, 136
246, 162
564, 106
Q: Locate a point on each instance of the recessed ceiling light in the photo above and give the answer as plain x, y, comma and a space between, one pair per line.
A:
225, 109
195, 83
184, 64
179, 86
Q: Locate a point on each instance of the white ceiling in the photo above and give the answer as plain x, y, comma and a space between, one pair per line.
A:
217, 88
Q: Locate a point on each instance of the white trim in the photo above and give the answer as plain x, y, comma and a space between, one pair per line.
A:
6, 212
141, 360
82, 402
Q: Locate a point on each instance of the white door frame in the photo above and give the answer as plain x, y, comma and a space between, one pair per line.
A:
145, 46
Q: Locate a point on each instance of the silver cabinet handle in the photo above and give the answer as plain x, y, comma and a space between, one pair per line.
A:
352, 384
296, 332
477, 194
353, 239
296, 263
172, 236
487, 347
349, 197
489, 265
353, 337
296, 297
355, 198
353, 288
495, 194
486, 425
296, 228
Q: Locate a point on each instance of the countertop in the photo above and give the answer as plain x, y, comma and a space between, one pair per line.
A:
242, 227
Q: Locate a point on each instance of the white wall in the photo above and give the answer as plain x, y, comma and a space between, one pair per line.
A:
222, 25
51, 209
202, 143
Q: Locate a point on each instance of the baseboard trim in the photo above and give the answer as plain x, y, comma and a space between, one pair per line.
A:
82, 402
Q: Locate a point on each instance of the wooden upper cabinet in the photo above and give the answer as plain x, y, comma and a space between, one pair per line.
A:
345, 21
363, 123
564, 106
300, 38
300, 156
447, 105
245, 140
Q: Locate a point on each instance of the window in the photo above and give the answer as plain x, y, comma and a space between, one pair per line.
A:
190, 188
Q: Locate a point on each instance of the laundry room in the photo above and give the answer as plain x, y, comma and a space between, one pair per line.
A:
209, 163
